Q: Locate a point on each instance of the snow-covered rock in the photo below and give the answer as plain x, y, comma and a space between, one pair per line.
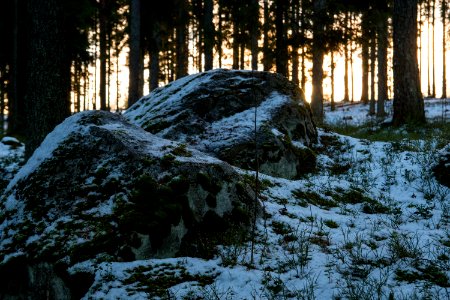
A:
11, 158
11, 141
101, 189
442, 168
214, 112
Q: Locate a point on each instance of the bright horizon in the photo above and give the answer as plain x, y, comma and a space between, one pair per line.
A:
123, 75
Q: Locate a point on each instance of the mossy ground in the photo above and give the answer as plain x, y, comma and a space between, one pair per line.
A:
155, 280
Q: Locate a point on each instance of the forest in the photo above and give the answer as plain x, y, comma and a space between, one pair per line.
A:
104, 54
224, 149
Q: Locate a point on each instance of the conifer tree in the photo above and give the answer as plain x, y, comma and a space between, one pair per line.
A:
408, 100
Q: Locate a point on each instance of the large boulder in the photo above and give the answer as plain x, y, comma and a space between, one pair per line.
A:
442, 168
214, 112
101, 189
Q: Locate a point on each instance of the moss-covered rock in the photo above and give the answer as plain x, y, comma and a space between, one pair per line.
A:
101, 189
247, 119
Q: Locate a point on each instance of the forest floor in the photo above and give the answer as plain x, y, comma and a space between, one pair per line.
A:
371, 223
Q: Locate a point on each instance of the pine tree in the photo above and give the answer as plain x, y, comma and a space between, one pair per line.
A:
182, 53
318, 50
382, 43
281, 51
208, 29
136, 83
444, 15
365, 57
48, 76
408, 100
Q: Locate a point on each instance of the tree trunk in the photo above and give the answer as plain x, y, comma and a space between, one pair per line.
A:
254, 33
373, 56
281, 57
333, 105
154, 70
365, 60
433, 7
200, 51
86, 86
267, 60
2, 105
219, 36
419, 36
346, 59
103, 53
136, 82
242, 56
182, 53
303, 69
209, 34
318, 54
428, 47
408, 101
236, 41
383, 42
94, 95
302, 34
352, 74
77, 88
295, 42
117, 63
444, 49
48, 76
16, 97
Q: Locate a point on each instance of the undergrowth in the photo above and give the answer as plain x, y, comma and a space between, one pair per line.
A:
438, 131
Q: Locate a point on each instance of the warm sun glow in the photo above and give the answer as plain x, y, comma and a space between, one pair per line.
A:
117, 90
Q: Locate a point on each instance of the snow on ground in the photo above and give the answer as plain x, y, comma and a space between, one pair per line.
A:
378, 226
371, 223
357, 114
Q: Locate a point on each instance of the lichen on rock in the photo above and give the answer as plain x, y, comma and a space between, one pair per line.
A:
101, 189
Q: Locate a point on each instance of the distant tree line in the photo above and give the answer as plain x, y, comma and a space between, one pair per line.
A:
52, 46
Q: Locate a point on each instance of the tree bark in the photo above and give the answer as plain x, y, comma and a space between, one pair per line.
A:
236, 41
346, 59
318, 54
302, 34
295, 42
16, 97
281, 57
382, 75
408, 100
444, 49
209, 34
48, 76
103, 52
365, 60
267, 60
333, 66
154, 68
136, 82
373, 56
182, 53
428, 48
2, 105
433, 7
254, 33
220, 36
